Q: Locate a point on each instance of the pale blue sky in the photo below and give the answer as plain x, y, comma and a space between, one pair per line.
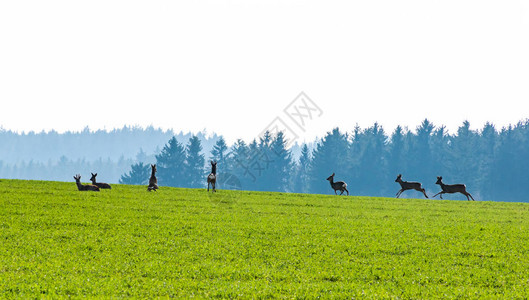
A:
233, 66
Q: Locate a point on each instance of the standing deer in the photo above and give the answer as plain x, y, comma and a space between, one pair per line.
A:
339, 185
153, 182
101, 185
212, 177
452, 188
84, 187
405, 185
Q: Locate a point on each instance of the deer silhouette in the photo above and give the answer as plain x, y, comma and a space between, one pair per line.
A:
84, 187
101, 185
452, 188
212, 177
153, 182
339, 185
405, 185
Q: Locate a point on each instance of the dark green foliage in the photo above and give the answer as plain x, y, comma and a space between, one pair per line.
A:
300, 179
330, 156
220, 151
195, 171
282, 166
171, 164
139, 175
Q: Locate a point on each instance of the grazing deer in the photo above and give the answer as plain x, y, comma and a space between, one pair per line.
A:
452, 188
153, 182
339, 185
101, 185
84, 187
405, 185
212, 177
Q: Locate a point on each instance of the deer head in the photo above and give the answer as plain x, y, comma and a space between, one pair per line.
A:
398, 178
330, 178
93, 178
439, 178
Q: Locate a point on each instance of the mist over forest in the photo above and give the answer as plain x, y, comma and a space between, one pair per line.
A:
492, 162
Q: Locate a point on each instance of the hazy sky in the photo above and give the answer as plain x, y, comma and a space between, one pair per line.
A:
232, 66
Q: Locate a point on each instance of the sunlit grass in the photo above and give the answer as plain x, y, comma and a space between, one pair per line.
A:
55, 240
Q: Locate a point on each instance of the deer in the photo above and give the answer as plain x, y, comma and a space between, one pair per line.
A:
452, 188
153, 182
409, 185
84, 187
212, 177
101, 185
339, 185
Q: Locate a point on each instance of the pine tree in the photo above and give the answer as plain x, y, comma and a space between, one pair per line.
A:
171, 164
138, 175
194, 166
219, 152
486, 151
281, 167
238, 163
397, 161
420, 153
373, 167
330, 156
463, 159
300, 179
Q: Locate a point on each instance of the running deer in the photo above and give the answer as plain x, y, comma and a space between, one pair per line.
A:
408, 185
339, 185
101, 185
452, 188
84, 187
153, 182
212, 177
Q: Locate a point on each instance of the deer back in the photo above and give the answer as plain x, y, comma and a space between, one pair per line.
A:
453, 188
410, 185
338, 185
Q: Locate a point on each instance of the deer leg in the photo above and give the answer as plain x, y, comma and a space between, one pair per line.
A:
399, 192
341, 192
208, 186
468, 194
335, 192
347, 192
214, 188
438, 194
424, 192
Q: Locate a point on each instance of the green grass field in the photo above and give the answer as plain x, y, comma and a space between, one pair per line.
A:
57, 241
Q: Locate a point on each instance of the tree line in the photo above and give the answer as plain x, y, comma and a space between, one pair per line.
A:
492, 162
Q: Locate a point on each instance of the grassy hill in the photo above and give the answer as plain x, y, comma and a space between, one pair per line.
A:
125, 242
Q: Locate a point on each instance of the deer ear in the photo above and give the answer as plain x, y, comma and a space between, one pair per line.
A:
332, 174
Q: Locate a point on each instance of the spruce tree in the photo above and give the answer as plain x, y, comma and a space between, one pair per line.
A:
138, 175
300, 179
194, 166
219, 152
238, 162
281, 168
330, 156
171, 164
